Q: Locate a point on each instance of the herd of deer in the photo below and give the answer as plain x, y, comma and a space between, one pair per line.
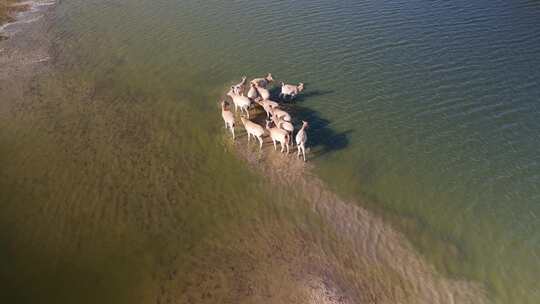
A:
278, 122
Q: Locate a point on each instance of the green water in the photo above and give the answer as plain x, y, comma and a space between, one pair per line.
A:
425, 112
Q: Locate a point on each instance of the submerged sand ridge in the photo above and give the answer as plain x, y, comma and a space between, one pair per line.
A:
382, 266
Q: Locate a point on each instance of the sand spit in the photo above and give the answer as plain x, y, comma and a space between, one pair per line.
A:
396, 273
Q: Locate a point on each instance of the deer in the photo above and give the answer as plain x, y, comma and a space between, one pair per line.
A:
278, 135
267, 106
252, 93
264, 93
228, 117
284, 125
263, 82
240, 101
253, 129
239, 87
289, 90
279, 113
301, 139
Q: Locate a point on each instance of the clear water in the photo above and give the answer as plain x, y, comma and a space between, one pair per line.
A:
427, 112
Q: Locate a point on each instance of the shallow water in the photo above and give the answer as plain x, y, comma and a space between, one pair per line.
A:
426, 112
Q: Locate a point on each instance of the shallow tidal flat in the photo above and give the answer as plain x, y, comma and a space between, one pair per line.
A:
105, 198
119, 184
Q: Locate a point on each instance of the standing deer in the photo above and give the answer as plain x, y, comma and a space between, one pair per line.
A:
264, 93
263, 82
252, 93
278, 135
240, 101
301, 139
253, 129
289, 90
228, 117
240, 87
284, 125
267, 106
279, 113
